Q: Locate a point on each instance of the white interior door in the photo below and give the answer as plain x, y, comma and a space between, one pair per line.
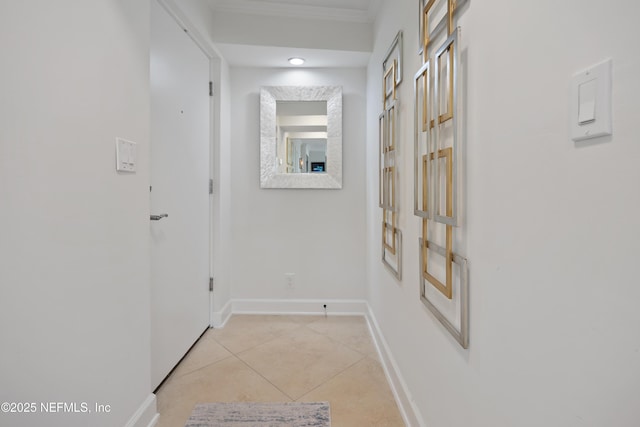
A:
180, 117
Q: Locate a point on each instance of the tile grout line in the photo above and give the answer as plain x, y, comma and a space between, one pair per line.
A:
263, 377
246, 349
206, 366
334, 376
362, 357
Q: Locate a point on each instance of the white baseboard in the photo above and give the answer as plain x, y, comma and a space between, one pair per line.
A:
220, 318
408, 410
299, 306
146, 415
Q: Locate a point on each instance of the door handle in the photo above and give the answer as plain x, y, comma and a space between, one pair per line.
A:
158, 217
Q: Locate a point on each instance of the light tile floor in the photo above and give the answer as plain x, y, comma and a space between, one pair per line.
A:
284, 359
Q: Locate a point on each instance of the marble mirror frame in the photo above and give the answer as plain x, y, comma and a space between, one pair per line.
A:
269, 178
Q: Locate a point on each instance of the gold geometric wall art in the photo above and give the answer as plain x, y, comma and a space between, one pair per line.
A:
388, 166
430, 11
395, 54
437, 158
445, 97
459, 326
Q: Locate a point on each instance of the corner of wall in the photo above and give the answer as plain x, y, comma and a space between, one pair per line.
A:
147, 414
222, 316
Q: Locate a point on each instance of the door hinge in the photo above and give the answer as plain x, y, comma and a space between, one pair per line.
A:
210, 88
210, 284
210, 186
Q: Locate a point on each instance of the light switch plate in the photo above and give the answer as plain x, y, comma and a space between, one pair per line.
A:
591, 102
126, 155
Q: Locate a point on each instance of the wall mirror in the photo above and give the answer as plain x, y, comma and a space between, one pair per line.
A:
301, 137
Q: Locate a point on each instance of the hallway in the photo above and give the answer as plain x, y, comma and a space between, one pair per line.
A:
284, 359
548, 222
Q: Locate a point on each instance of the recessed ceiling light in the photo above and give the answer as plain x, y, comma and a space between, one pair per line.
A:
296, 61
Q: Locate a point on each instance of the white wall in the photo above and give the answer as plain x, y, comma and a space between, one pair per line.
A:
74, 234
553, 226
270, 228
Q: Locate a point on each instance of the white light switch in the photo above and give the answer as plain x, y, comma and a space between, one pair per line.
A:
587, 102
591, 102
126, 154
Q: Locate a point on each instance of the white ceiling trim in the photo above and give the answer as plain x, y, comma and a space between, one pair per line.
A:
294, 10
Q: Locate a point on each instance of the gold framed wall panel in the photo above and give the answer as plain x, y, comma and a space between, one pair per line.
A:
426, 182
388, 168
390, 128
460, 333
381, 142
395, 53
447, 186
450, 215
389, 232
445, 288
389, 189
425, 34
437, 154
425, 9
387, 158
446, 22
389, 84
393, 262
445, 85
423, 136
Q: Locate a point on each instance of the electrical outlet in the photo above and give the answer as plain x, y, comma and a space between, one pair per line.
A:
289, 280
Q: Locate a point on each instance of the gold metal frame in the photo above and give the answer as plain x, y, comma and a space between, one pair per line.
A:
389, 190
387, 123
381, 136
448, 114
445, 288
425, 27
385, 233
425, 182
393, 261
461, 333
391, 129
395, 53
447, 154
451, 8
436, 161
424, 24
391, 235
423, 136
425, 75
386, 91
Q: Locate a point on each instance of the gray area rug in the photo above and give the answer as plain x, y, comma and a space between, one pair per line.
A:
250, 414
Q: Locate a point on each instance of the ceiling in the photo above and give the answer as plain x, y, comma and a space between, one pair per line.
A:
247, 41
342, 10
242, 55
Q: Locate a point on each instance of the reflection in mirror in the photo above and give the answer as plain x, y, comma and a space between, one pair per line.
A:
301, 137
301, 129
